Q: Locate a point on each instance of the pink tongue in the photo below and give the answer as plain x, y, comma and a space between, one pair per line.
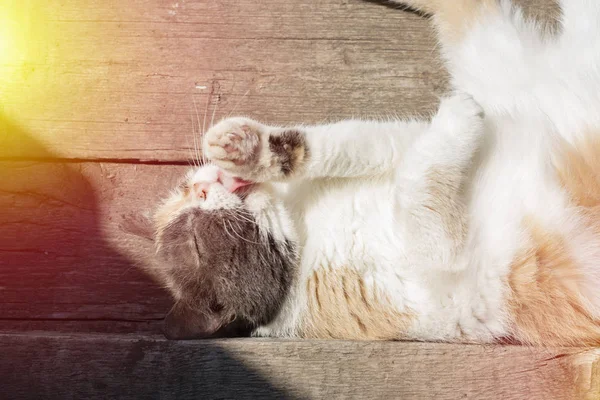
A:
231, 183
237, 183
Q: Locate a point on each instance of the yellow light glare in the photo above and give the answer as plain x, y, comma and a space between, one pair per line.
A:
24, 42
25, 64
9, 49
13, 34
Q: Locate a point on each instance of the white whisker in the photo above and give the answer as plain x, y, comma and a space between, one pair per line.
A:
191, 160
238, 102
240, 217
239, 236
243, 213
196, 145
212, 119
208, 98
225, 228
195, 154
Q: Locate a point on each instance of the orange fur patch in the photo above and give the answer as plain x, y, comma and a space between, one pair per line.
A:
578, 169
453, 18
587, 378
341, 306
547, 305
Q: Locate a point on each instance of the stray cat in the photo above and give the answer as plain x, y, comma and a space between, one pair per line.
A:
468, 228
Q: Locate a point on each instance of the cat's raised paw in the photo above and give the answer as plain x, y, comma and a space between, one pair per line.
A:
233, 144
253, 151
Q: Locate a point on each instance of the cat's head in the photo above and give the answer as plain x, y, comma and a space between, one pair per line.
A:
226, 265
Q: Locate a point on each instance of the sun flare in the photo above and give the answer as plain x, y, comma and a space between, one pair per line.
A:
25, 44
11, 51
27, 60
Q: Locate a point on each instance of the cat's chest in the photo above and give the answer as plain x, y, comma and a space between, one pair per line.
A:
345, 219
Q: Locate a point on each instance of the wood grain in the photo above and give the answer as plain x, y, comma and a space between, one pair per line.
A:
114, 69
123, 79
139, 367
64, 252
126, 81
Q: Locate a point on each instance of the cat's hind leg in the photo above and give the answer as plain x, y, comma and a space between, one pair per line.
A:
490, 50
431, 210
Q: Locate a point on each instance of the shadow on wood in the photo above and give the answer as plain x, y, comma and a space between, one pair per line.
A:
55, 263
82, 366
85, 367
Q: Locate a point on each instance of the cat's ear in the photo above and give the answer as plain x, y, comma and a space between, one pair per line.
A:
183, 322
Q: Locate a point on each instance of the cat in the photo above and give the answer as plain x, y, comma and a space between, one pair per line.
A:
481, 225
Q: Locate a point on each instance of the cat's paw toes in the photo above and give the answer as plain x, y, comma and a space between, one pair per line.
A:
461, 105
233, 144
255, 152
461, 115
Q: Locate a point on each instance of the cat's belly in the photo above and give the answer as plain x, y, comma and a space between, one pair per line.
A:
355, 282
513, 183
348, 222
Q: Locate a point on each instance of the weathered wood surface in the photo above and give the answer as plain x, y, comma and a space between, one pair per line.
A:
121, 80
118, 79
136, 367
107, 69
64, 252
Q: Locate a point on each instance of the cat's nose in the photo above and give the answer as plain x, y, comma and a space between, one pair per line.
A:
201, 189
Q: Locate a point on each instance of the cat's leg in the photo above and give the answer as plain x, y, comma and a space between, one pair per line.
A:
431, 208
258, 152
490, 50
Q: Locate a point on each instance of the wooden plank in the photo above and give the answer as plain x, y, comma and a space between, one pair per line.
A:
64, 254
81, 326
39, 365
119, 79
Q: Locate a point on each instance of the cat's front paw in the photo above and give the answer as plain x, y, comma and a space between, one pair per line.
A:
233, 144
253, 151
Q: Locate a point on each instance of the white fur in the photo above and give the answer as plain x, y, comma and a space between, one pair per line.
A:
357, 203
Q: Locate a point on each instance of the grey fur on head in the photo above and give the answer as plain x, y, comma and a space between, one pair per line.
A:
230, 276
